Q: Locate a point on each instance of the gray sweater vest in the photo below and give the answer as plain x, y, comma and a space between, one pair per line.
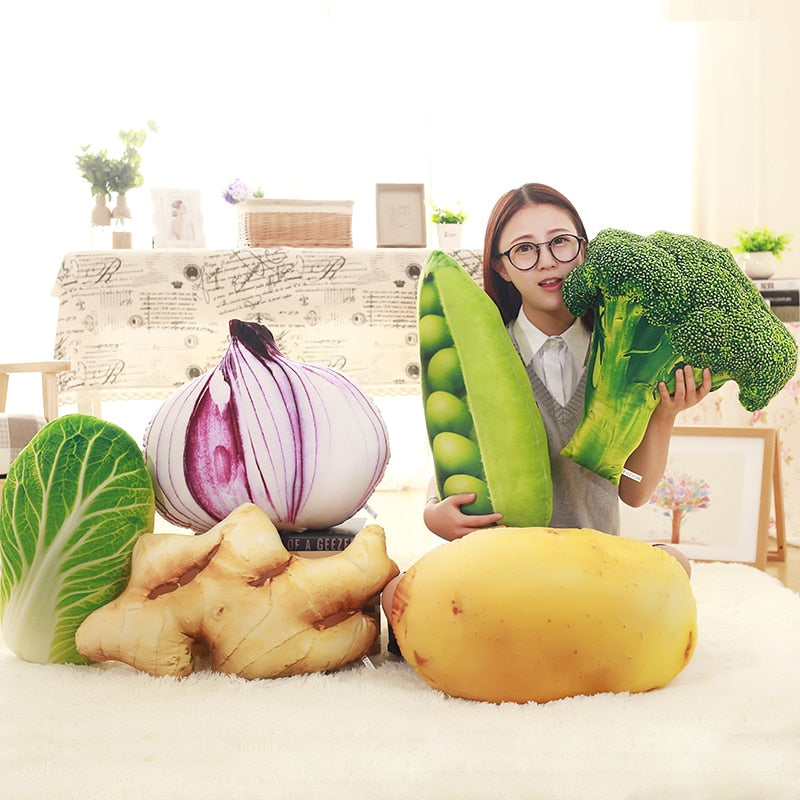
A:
581, 499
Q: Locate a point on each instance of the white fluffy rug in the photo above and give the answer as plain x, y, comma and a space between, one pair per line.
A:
728, 727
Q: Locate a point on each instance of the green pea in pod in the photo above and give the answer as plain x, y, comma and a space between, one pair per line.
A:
485, 429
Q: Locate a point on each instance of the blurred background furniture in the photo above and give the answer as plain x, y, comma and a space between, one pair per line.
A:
16, 430
722, 408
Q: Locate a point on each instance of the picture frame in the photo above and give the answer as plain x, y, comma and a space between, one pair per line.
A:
178, 219
729, 477
400, 215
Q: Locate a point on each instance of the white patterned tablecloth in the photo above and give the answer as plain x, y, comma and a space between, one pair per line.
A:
137, 322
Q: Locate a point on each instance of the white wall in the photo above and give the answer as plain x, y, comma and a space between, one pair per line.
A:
325, 98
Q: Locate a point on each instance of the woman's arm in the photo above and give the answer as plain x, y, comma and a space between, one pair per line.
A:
650, 458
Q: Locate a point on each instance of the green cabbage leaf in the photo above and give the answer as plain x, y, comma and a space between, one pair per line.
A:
76, 500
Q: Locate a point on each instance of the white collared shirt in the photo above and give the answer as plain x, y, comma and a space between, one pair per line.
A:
531, 341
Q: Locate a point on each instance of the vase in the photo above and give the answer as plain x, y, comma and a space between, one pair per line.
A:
101, 213
101, 224
121, 210
760, 265
449, 234
121, 238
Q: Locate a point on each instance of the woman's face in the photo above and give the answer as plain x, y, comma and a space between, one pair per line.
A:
539, 286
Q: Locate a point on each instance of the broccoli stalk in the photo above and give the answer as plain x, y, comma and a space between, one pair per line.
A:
661, 302
627, 353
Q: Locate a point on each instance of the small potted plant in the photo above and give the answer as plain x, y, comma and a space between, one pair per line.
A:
96, 169
118, 176
761, 247
449, 225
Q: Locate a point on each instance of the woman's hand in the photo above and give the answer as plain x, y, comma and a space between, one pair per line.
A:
686, 395
446, 519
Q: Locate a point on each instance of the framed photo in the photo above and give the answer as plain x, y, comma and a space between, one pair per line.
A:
178, 219
400, 214
715, 498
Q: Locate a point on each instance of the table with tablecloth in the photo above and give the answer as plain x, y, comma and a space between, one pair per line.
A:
133, 322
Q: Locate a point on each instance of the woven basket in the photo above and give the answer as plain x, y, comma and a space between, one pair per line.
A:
295, 223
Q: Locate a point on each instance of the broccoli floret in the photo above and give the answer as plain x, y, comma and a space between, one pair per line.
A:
661, 302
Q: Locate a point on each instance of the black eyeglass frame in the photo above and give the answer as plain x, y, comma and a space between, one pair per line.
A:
539, 246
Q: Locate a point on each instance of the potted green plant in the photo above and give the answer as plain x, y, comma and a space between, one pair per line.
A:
449, 224
761, 248
118, 176
96, 169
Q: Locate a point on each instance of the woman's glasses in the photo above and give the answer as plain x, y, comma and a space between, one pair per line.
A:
563, 248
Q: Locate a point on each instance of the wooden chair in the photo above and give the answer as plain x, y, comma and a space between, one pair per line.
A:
16, 430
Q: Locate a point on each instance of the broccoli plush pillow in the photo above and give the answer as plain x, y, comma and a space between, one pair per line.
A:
661, 302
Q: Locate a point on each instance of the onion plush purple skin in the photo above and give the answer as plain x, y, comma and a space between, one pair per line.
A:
302, 441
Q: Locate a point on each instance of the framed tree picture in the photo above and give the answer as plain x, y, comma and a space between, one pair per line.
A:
715, 498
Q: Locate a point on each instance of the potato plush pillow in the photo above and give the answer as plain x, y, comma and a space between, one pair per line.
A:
520, 614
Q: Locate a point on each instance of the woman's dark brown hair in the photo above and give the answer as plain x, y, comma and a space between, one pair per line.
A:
505, 295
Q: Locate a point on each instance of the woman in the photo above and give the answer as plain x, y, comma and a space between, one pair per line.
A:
534, 237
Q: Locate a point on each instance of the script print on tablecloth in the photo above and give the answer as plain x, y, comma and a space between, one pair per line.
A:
143, 321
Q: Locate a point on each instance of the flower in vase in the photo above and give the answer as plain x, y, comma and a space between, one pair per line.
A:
236, 192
